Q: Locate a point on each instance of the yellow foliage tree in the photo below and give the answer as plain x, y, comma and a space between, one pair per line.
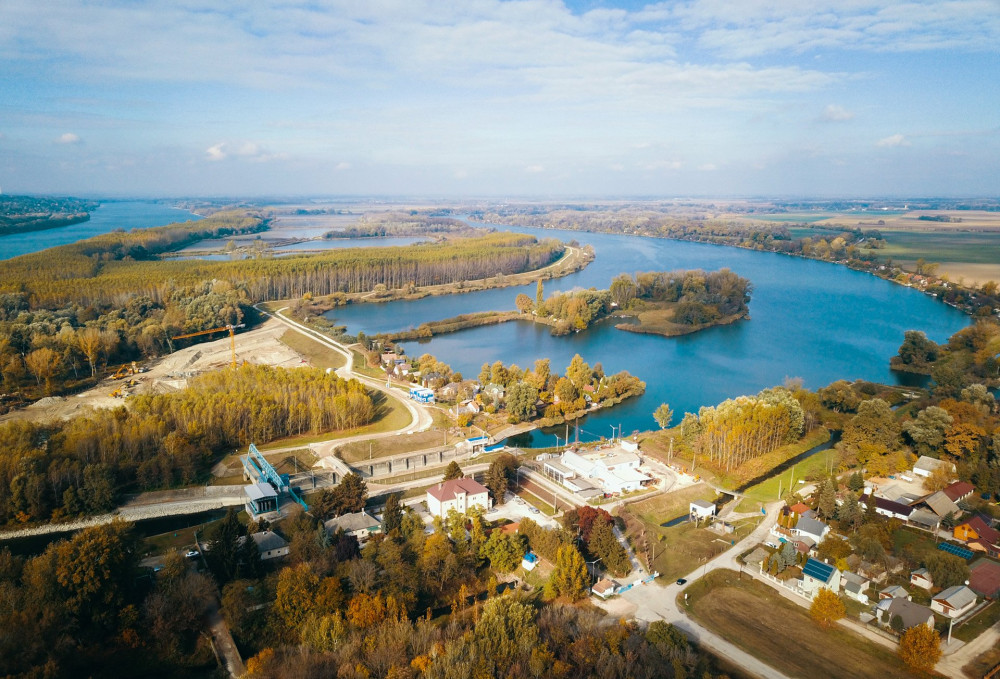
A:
920, 648
826, 608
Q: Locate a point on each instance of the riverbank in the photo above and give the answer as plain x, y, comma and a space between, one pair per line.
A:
657, 321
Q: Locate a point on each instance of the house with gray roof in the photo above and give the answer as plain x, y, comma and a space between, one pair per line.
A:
954, 601
926, 466
358, 524
894, 592
270, 545
941, 504
855, 586
812, 528
910, 613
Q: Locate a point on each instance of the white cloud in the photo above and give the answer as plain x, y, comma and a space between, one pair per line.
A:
893, 141
342, 165
836, 114
707, 167
534, 169
68, 138
216, 152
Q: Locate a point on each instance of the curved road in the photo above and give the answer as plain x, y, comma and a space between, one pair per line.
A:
421, 418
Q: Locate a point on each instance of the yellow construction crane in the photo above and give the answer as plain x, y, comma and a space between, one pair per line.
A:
232, 336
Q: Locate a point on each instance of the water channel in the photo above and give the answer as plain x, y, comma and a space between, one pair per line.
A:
130, 214
814, 320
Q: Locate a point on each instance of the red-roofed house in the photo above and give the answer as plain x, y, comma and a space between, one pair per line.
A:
799, 508
959, 490
457, 494
979, 535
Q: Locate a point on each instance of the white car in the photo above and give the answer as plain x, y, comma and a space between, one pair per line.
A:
192, 554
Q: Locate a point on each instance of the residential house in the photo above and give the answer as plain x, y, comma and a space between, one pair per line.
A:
910, 613
817, 575
984, 578
493, 393
979, 535
855, 586
811, 528
941, 504
270, 545
529, 561
926, 466
922, 578
360, 525
874, 572
389, 358
604, 588
469, 407
894, 592
954, 601
804, 545
894, 510
958, 491
457, 494
799, 508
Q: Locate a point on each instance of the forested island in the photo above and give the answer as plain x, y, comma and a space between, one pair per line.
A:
667, 303
20, 214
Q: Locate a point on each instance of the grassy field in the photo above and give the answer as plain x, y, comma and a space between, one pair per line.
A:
393, 445
782, 634
983, 664
318, 355
678, 550
979, 623
811, 468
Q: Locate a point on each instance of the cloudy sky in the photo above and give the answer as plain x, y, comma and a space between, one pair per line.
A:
501, 98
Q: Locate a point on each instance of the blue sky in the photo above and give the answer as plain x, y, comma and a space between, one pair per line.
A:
489, 98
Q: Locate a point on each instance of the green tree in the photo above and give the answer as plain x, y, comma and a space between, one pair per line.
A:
346, 497
500, 476
849, 513
93, 570
392, 515
946, 570
663, 414
623, 290
520, 400
504, 551
539, 293
856, 482
569, 577
826, 505
224, 546
295, 595
523, 303
928, 429
453, 471
916, 351
604, 545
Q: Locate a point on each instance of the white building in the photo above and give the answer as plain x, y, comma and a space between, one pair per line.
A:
701, 509
457, 494
617, 473
270, 545
954, 601
925, 466
817, 575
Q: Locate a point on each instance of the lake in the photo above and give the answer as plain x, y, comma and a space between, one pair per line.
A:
131, 214
813, 320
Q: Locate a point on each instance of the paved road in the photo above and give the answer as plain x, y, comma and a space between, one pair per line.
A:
656, 602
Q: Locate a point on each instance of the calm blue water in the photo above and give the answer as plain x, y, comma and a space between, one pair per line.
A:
107, 217
813, 320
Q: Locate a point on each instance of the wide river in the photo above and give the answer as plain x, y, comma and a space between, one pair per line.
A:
130, 214
814, 320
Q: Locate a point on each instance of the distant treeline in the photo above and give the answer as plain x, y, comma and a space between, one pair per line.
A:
53, 302
19, 214
78, 466
401, 224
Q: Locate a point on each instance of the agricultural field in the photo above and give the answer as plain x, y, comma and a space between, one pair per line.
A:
782, 634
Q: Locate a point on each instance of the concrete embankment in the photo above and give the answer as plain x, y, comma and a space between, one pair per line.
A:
146, 506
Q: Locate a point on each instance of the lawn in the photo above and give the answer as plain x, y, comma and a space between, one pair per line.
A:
973, 256
319, 356
781, 633
357, 451
979, 623
677, 550
812, 468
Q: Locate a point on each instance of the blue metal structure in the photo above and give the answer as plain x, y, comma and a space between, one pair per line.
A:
956, 550
260, 470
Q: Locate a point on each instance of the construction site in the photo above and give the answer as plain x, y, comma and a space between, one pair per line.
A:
261, 345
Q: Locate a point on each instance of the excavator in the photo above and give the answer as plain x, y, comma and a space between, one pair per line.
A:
232, 336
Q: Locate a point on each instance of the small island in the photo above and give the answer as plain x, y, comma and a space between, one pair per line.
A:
21, 214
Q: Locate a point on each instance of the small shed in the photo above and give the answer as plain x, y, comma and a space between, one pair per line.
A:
422, 394
261, 498
529, 562
604, 588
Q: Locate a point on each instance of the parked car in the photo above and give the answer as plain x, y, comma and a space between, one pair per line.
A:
192, 554
534, 510
681, 581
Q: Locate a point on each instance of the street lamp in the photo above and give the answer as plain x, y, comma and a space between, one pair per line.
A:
593, 576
